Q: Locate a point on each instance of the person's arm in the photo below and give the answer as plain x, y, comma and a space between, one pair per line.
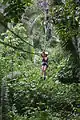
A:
42, 55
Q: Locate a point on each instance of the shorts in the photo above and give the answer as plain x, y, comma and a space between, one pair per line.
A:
44, 64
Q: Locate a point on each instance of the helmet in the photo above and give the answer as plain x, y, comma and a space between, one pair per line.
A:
46, 53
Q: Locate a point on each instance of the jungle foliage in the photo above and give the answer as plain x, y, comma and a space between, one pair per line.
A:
24, 94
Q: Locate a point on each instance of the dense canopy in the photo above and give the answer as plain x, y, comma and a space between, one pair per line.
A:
28, 27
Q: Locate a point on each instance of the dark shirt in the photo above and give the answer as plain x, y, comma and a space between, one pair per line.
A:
43, 60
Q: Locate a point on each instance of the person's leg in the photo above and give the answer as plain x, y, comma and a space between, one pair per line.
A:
42, 68
45, 67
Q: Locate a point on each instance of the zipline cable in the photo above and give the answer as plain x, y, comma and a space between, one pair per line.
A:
20, 49
14, 47
17, 48
16, 34
46, 9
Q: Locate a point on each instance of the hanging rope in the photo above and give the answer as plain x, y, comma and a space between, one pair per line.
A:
45, 5
47, 24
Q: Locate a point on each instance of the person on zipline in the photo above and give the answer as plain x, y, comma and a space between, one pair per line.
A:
44, 56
